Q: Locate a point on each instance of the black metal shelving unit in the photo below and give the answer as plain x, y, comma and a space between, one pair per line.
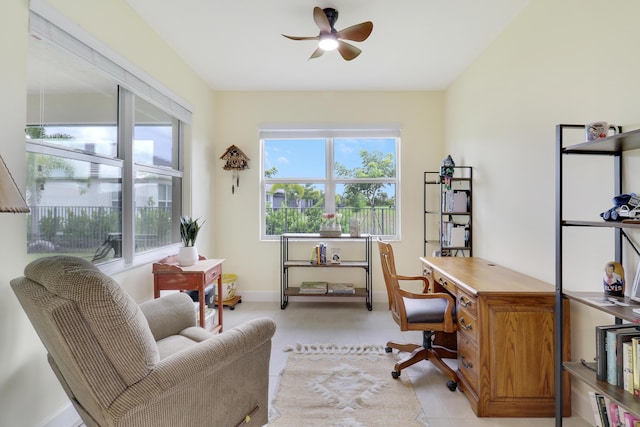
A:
613, 147
434, 207
286, 264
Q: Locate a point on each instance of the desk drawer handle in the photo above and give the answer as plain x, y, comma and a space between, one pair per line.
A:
466, 326
443, 282
464, 362
464, 303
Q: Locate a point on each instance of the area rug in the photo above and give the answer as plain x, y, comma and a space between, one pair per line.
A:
343, 386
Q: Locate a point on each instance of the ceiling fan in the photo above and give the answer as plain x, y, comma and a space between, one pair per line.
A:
330, 39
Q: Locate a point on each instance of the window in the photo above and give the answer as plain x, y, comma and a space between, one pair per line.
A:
306, 173
103, 163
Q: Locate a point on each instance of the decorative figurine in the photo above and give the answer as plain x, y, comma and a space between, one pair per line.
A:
613, 280
446, 171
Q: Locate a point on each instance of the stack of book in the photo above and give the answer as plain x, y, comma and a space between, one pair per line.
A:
607, 413
313, 288
341, 288
319, 254
617, 356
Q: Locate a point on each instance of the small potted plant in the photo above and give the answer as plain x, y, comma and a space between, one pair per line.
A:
189, 229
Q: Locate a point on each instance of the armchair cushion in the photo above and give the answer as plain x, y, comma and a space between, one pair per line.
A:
115, 320
169, 315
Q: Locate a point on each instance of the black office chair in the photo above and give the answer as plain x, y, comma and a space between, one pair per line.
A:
429, 312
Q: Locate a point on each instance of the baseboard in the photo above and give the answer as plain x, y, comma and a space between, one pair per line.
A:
274, 296
67, 416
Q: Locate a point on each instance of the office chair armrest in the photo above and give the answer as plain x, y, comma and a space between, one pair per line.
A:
425, 280
427, 295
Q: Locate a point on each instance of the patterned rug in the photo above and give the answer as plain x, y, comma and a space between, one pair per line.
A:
343, 386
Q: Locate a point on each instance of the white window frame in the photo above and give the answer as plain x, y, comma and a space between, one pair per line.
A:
330, 182
46, 23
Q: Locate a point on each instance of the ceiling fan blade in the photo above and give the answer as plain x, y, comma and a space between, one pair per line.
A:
348, 51
357, 33
301, 38
321, 20
316, 53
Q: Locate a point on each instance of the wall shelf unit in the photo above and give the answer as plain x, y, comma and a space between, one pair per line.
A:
448, 213
613, 148
308, 239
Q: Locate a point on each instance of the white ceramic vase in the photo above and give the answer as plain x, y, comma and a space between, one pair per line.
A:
187, 255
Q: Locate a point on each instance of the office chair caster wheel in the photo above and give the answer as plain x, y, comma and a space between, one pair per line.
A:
388, 349
452, 385
395, 374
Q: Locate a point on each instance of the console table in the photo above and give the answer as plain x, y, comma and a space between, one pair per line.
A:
169, 275
506, 324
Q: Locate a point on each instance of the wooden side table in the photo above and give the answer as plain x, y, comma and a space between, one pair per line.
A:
169, 275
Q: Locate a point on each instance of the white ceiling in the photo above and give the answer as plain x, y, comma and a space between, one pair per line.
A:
415, 44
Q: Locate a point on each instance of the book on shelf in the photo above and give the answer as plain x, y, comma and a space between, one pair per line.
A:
341, 288
621, 339
635, 344
319, 254
456, 201
595, 408
630, 420
627, 366
615, 338
602, 410
457, 236
601, 349
460, 201
313, 288
613, 411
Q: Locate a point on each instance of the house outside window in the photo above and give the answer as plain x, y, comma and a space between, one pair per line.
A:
104, 178
308, 172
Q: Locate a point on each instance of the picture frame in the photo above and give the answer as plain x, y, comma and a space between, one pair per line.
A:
635, 289
336, 257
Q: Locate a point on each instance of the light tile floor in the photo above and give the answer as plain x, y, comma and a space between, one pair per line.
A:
352, 323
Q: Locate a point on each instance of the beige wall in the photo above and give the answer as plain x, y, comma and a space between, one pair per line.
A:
238, 119
556, 63
29, 392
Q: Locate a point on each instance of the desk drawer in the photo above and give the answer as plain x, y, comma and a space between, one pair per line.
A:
444, 282
467, 323
468, 361
467, 302
212, 274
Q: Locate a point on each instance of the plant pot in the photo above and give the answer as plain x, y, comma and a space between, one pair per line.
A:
187, 255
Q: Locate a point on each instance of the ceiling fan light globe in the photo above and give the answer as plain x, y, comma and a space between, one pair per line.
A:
328, 42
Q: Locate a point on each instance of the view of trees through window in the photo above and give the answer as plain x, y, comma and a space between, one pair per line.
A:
89, 144
353, 177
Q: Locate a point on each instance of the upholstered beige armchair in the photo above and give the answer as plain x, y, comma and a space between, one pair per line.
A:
122, 364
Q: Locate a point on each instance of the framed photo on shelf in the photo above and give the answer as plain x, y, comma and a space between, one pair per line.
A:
335, 256
635, 289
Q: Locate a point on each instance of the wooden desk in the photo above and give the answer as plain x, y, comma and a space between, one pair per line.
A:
168, 275
505, 337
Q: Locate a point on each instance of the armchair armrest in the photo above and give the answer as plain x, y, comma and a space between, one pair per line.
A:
170, 314
229, 371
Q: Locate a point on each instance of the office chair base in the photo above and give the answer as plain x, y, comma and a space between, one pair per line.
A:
417, 354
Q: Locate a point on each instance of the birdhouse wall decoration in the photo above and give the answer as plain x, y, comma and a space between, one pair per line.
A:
235, 160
